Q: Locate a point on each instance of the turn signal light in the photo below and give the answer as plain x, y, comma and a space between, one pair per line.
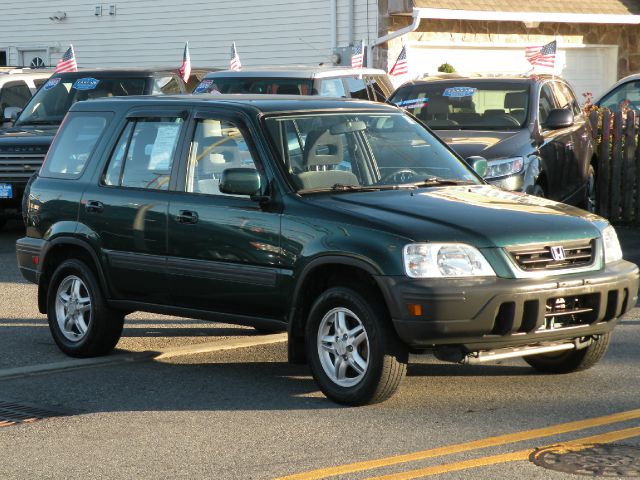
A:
415, 309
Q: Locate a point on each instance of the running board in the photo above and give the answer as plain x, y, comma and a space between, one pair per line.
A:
483, 356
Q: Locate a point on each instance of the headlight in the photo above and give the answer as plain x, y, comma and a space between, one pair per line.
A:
504, 167
612, 250
431, 260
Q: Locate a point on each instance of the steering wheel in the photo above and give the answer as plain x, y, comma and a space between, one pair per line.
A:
403, 175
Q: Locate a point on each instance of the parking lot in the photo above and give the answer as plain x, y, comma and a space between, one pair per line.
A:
184, 398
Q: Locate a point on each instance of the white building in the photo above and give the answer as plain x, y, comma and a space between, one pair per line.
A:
153, 33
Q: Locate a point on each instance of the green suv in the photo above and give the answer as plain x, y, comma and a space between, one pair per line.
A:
344, 222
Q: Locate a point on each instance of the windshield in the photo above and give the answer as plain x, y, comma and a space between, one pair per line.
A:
352, 151
467, 105
52, 101
277, 85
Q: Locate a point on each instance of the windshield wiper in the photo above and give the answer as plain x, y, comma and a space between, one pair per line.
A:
436, 181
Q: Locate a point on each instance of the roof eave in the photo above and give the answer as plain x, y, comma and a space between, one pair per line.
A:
527, 17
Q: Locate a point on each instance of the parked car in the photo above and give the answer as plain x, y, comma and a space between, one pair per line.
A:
17, 86
345, 222
23, 147
624, 92
530, 128
363, 83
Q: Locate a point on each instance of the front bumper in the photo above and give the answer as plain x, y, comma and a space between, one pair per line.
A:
496, 312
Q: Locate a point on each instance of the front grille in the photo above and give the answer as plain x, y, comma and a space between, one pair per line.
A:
532, 258
19, 166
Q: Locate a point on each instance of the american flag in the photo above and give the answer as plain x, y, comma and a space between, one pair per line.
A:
234, 63
545, 56
68, 62
358, 55
185, 69
401, 66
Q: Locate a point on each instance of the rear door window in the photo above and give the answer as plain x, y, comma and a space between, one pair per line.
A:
332, 87
144, 154
74, 144
357, 88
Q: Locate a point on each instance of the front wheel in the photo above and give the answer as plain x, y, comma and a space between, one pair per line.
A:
591, 194
81, 322
571, 360
354, 354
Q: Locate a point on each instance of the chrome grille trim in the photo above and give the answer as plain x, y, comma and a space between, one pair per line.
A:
538, 257
596, 258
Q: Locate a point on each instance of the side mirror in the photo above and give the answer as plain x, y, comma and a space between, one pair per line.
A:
11, 113
240, 181
559, 118
479, 164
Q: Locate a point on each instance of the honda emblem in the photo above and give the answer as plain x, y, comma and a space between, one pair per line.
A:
557, 253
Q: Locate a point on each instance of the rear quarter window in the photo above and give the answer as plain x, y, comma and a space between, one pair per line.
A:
74, 144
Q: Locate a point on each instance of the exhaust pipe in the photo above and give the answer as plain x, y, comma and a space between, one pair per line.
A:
475, 358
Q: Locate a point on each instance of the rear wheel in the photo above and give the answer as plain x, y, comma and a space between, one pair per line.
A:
571, 360
353, 352
81, 322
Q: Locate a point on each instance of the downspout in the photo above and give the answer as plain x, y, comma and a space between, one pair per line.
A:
333, 27
417, 16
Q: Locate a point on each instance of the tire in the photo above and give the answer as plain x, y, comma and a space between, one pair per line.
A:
367, 363
591, 193
81, 322
3, 222
572, 360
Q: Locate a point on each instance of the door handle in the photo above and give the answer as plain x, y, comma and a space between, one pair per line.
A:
187, 216
94, 206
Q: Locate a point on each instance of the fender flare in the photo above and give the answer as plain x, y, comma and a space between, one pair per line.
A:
64, 240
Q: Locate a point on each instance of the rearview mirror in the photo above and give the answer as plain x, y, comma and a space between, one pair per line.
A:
11, 113
348, 127
479, 164
559, 118
240, 181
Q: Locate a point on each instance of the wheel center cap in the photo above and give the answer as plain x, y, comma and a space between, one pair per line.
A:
341, 347
72, 308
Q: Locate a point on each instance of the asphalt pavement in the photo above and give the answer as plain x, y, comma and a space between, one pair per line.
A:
237, 410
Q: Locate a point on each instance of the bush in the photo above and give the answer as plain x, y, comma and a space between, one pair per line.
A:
446, 68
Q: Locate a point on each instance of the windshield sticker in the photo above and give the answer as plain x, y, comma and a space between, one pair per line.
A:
87, 83
52, 82
204, 86
458, 92
413, 102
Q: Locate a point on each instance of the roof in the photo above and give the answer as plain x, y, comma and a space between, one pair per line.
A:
296, 71
115, 71
256, 103
603, 7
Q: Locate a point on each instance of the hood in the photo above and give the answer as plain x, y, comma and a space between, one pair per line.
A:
489, 144
482, 215
37, 136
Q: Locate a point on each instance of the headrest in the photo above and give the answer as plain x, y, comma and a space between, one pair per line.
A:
323, 148
515, 100
438, 106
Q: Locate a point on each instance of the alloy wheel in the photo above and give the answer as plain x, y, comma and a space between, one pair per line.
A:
343, 347
73, 308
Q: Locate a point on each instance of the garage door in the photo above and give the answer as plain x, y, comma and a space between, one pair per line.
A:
587, 68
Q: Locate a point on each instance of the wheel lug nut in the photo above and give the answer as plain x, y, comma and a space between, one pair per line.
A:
350, 348
344, 337
344, 357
